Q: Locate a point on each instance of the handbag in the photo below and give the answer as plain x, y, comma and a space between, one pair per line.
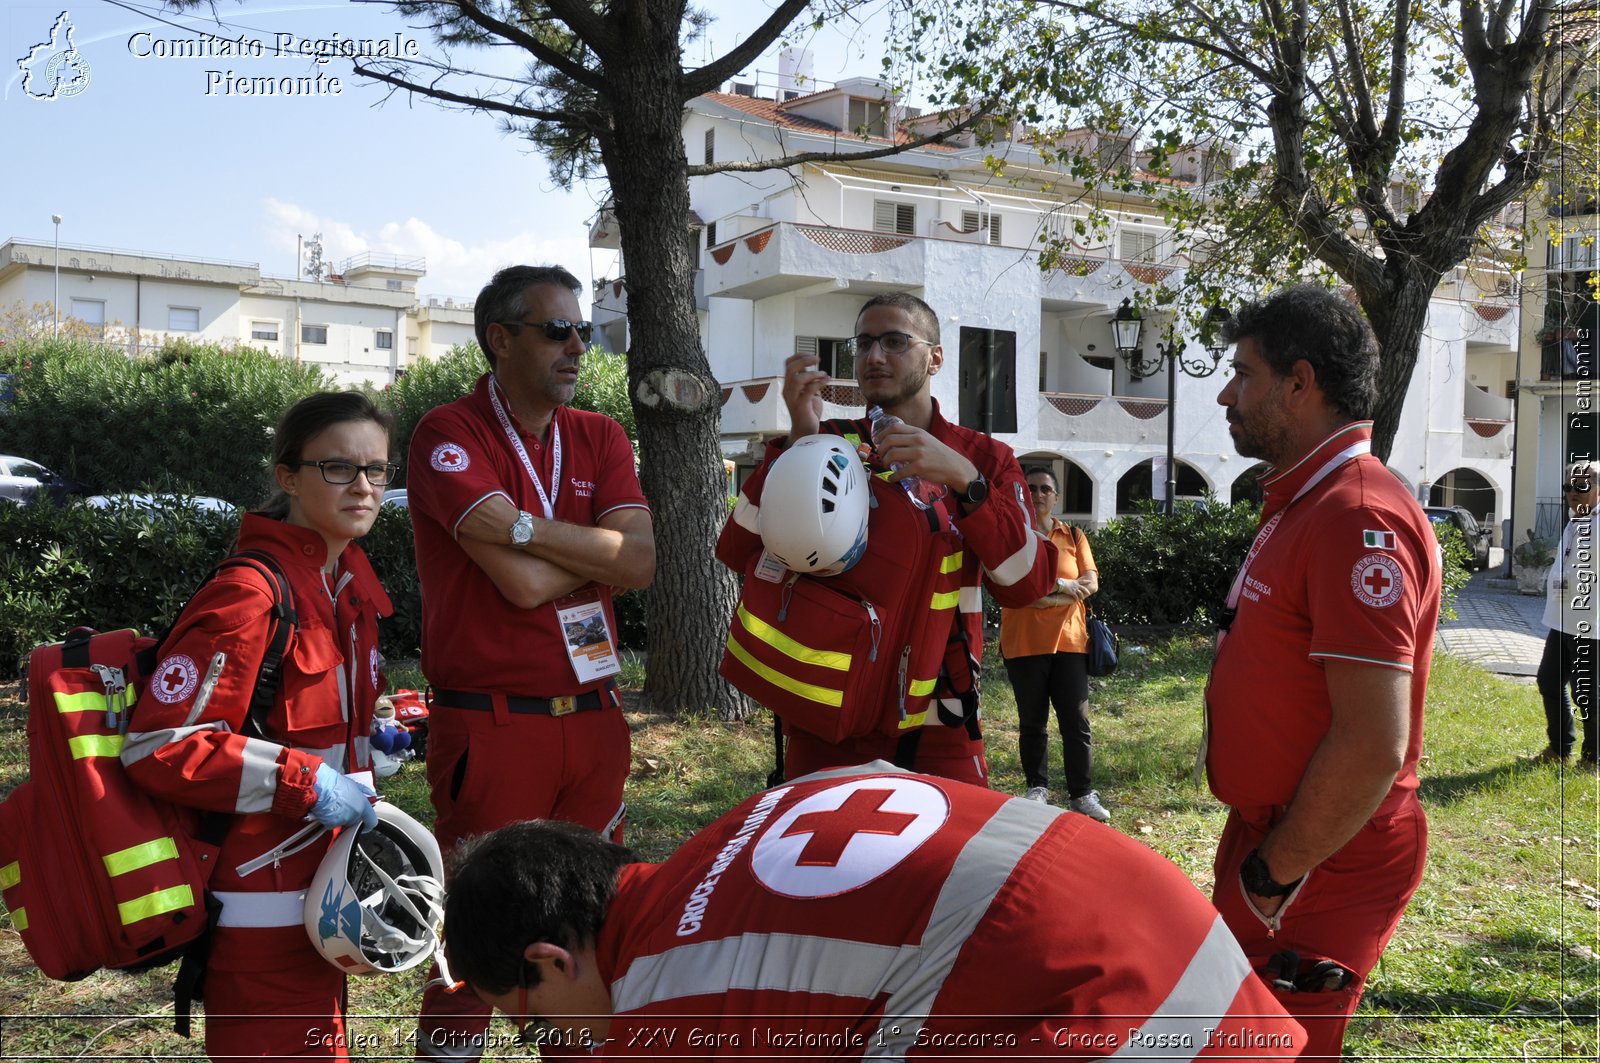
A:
1102, 645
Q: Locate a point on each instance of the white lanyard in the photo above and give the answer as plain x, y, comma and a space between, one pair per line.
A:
1356, 449
548, 501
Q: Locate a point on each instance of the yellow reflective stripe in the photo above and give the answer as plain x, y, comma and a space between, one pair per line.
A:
810, 692
167, 900
914, 720
88, 701
95, 746
789, 647
136, 856
946, 600
921, 688
19, 919
951, 564
10, 875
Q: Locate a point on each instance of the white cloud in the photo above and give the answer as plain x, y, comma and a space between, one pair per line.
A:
454, 267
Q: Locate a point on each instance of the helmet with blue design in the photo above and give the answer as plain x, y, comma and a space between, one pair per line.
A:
376, 904
814, 506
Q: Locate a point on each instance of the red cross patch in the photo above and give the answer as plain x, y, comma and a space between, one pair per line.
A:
450, 457
1377, 581
844, 837
174, 679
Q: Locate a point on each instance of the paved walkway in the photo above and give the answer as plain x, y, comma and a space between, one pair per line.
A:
1496, 627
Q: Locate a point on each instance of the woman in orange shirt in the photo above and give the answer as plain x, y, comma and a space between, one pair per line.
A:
1045, 646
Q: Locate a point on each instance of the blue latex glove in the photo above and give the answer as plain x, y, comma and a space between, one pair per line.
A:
341, 801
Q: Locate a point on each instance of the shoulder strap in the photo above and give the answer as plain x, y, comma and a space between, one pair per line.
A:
285, 622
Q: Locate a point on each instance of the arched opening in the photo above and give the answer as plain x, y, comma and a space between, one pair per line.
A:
1137, 484
1247, 487
1076, 497
1468, 489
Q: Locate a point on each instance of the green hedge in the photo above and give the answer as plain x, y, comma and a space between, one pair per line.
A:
192, 418
69, 566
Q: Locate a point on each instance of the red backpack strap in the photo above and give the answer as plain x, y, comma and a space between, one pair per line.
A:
284, 623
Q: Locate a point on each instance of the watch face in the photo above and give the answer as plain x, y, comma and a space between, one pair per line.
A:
977, 490
522, 530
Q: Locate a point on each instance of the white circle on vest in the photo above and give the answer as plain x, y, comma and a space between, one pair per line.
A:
174, 679
1377, 581
450, 457
844, 837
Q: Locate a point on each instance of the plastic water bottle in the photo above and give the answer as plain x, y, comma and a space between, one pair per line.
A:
922, 493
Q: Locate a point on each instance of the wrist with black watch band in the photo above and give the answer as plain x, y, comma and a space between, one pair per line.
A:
977, 490
1257, 878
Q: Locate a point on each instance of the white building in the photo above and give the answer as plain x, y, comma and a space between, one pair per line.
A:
361, 323
788, 256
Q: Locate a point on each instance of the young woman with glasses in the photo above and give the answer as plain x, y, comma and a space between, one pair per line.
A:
192, 741
1046, 649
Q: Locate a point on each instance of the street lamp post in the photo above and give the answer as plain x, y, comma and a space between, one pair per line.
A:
55, 300
1127, 328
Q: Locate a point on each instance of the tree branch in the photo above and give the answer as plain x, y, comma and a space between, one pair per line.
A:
474, 103
589, 79
707, 78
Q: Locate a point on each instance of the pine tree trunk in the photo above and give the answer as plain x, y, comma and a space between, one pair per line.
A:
1397, 319
676, 400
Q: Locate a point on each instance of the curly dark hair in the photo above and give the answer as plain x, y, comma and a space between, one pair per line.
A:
1314, 325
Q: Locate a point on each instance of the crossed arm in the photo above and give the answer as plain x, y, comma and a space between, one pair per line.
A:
561, 557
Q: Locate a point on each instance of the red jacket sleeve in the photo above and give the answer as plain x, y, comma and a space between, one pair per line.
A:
1019, 564
184, 743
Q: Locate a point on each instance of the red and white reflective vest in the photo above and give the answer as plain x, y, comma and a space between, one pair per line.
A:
869, 912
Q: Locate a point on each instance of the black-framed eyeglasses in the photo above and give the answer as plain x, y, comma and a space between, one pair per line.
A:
891, 342
1041, 489
1577, 486
557, 329
379, 473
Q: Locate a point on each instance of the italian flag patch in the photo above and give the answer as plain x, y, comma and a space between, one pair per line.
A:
1378, 540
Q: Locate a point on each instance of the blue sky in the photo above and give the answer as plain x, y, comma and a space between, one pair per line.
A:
154, 154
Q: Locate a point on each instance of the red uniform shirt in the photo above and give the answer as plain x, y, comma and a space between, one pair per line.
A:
460, 456
870, 911
1349, 570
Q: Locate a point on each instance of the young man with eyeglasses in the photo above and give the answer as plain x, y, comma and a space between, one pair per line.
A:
861, 913
1315, 703
1569, 612
972, 485
527, 514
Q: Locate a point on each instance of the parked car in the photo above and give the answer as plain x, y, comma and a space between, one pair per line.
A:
395, 496
156, 503
21, 479
1476, 535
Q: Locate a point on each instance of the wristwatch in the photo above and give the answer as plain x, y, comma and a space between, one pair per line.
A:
522, 530
977, 490
1258, 879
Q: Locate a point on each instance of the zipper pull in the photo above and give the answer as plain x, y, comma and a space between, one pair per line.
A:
207, 685
877, 629
905, 667
784, 596
116, 691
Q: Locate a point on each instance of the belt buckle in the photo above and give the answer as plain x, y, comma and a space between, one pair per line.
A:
565, 705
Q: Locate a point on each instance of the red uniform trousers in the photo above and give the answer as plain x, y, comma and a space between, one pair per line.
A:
485, 772
270, 995
947, 752
1346, 911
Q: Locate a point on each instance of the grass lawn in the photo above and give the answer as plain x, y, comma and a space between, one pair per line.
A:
1495, 960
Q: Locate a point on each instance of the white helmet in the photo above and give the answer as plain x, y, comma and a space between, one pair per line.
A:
814, 506
376, 904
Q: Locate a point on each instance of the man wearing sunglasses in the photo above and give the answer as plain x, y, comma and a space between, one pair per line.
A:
863, 913
969, 481
527, 515
1569, 650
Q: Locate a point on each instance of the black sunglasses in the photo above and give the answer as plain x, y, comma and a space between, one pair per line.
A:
1041, 489
1579, 487
557, 329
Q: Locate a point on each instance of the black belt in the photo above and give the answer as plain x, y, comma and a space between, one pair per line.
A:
561, 706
